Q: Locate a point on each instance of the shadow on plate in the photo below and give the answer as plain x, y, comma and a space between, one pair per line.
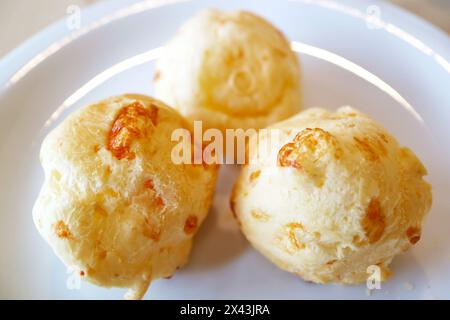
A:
219, 240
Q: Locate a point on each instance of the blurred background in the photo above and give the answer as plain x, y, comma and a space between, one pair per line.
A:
20, 19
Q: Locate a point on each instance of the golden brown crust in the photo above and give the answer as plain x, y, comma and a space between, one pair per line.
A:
219, 78
339, 195
373, 222
114, 204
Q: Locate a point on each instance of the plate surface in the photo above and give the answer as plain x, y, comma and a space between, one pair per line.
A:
379, 59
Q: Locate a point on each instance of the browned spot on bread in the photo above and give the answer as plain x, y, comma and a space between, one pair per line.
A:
381, 147
132, 122
261, 216
305, 148
148, 184
357, 240
99, 210
96, 148
152, 234
159, 201
383, 137
62, 230
154, 110
102, 254
364, 146
82, 273
288, 156
373, 222
413, 234
292, 227
372, 148
190, 225
338, 153
329, 263
107, 193
254, 175
151, 230
107, 171
157, 76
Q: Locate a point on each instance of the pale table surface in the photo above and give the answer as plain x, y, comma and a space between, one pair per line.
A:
20, 19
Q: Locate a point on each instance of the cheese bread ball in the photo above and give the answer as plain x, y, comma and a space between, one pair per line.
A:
113, 205
230, 70
334, 195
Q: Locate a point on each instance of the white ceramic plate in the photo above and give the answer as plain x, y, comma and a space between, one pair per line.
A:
380, 59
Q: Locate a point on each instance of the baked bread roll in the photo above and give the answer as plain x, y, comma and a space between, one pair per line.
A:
113, 205
334, 195
230, 70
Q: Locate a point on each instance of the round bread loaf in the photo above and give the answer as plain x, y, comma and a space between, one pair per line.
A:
334, 195
229, 70
114, 206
